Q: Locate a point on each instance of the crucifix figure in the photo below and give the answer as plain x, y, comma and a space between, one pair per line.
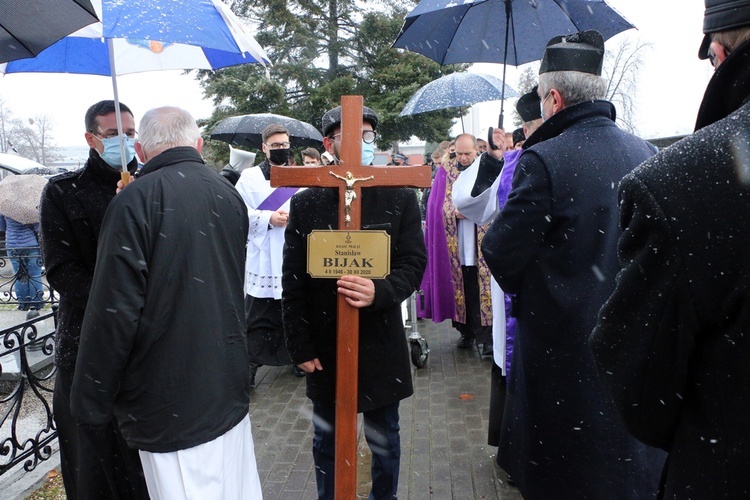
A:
350, 367
350, 195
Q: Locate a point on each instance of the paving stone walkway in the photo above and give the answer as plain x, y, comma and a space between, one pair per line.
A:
443, 430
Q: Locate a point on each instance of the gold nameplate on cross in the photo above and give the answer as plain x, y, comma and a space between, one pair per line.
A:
333, 254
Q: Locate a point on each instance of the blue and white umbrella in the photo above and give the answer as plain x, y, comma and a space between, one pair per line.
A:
139, 36
456, 91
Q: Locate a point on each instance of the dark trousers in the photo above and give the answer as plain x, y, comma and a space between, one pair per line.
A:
96, 464
473, 327
382, 436
497, 405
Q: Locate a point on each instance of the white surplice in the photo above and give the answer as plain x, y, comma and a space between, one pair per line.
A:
481, 210
265, 243
223, 468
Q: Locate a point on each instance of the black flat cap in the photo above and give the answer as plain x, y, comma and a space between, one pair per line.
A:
332, 119
529, 106
582, 52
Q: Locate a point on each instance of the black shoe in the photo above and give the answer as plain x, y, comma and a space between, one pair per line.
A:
298, 372
509, 480
253, 371
465, 342
487, 349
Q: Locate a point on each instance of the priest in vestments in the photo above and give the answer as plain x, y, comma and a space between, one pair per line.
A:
456, 285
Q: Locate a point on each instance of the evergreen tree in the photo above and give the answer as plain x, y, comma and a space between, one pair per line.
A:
321, 50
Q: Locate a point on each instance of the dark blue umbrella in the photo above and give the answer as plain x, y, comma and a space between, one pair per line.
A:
451, 32
29, 26
457, 90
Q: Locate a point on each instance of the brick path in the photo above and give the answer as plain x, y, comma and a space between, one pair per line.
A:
443, 430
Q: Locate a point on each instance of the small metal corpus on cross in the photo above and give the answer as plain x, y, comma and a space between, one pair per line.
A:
355, 176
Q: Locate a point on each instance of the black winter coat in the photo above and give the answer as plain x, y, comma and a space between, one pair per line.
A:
163, 341
554, 245
72, 209
309, 305
673, 341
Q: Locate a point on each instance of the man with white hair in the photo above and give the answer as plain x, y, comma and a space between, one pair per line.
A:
163, 343
554, 245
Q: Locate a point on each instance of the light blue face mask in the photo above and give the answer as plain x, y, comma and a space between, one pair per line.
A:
368, 153
111, 153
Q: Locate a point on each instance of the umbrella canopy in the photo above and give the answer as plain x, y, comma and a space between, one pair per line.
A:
147, 35
451, 32
29, 26
246, 130
457, 90
85, 52
20, 196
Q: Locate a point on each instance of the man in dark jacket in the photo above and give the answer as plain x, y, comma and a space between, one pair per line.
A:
163, 339
309, 314
554, 246
72, 209
672, 342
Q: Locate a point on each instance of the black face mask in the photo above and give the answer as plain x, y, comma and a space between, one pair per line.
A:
279, 156
452, 155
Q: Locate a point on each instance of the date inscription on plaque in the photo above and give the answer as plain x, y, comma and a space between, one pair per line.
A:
332, 254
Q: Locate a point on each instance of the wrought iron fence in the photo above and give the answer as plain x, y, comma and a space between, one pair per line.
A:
27, 428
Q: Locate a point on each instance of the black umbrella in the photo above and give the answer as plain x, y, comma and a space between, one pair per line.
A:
469, 31
27, 27
246, 130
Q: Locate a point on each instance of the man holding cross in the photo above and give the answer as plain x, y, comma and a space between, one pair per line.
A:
310, 314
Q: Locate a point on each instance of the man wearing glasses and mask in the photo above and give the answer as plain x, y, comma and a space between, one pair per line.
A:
72, 209
672, 341
309, 311
268, 209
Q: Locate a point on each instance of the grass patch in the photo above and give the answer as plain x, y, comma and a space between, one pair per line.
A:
52, 489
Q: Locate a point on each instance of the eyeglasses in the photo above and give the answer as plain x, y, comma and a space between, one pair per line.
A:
279, 145
132, 134
368, 136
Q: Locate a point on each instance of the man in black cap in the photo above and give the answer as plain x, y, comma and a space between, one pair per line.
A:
529, 109
518, 138
554, 245
309, 314
672, 342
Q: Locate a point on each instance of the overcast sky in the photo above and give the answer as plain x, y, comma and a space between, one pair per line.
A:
671, 85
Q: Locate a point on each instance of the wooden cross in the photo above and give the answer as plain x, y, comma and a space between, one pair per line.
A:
350, 176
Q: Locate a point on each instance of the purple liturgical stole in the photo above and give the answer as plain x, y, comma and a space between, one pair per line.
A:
279, 196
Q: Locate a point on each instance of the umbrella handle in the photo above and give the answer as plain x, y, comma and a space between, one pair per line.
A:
125, 177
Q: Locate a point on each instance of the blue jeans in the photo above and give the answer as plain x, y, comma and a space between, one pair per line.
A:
382, 435
27, 267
